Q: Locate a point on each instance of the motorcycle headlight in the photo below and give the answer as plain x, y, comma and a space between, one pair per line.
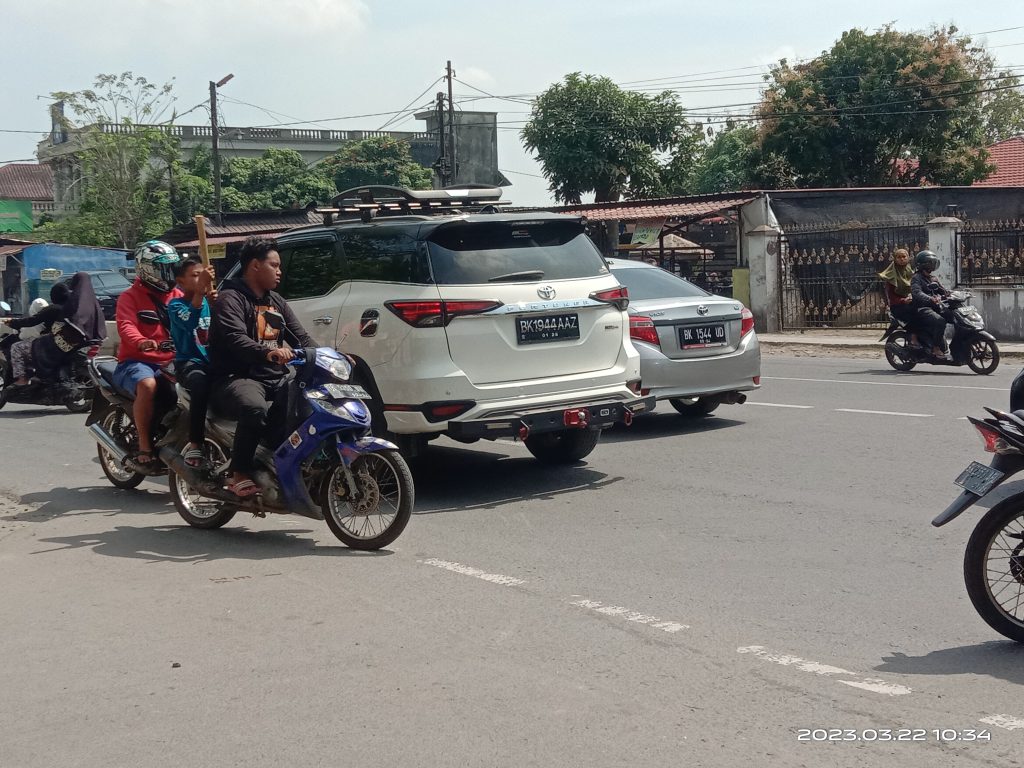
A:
338, 367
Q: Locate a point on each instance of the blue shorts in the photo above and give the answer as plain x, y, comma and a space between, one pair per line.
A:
128, 374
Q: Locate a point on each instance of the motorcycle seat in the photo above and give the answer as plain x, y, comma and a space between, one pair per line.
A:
105, 368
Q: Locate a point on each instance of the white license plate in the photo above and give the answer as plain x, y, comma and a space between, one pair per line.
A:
347, 391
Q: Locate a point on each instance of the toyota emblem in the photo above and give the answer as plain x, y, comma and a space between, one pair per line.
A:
546, 292
703, 309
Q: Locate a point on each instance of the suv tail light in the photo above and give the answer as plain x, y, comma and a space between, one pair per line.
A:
437, 314
619, 296
641, 328
746, 322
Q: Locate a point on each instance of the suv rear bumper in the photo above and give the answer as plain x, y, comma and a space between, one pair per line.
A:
599, 416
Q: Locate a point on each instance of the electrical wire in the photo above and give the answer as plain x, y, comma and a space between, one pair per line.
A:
406, 107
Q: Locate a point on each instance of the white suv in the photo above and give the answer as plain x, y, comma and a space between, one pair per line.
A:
471, 325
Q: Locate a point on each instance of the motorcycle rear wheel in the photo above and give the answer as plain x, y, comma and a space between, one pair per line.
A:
994, 568
196, 510
897, 352
386, 500
119, 425
984, 356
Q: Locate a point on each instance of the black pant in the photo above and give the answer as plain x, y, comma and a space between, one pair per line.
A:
903, 312
932, 326
196, 379
260, 409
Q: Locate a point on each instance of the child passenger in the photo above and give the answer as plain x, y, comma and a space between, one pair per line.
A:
190, 328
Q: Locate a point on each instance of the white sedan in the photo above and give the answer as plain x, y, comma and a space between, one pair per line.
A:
697, 350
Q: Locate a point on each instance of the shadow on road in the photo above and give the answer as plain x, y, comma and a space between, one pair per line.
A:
930, 371
1003, 660
454, 479
92, 500
658, 425
22, 414
182, 544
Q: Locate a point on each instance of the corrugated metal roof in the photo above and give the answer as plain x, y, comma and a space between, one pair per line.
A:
664, 208
1008, 158
26, 181
244, 224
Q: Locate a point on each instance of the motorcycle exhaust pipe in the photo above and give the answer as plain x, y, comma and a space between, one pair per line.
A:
103, 438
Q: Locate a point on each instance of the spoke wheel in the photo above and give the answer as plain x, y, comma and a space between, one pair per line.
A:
994, 568
196, 510
119, 425
898, 353
984, 357
383, 505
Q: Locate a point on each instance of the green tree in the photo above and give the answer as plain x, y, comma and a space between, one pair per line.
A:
1004, 109
124, 196
880, 108
279, 178
377, 160
592, 136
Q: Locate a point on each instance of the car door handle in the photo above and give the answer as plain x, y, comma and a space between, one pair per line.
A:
325, 320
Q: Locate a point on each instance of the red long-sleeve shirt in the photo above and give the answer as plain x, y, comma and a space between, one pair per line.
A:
137, 299
894, 298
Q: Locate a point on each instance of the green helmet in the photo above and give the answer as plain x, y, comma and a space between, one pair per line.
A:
926, 260
155, 262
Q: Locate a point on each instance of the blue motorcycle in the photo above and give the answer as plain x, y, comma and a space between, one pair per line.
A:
329, 467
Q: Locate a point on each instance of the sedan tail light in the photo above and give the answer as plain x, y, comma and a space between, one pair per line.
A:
641, 328
437, 314
619, 296
747, 322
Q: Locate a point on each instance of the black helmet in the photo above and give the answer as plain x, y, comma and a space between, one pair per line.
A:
60, 293
926, 260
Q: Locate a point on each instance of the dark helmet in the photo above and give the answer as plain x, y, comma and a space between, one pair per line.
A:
926, 260
155, 263
60, 293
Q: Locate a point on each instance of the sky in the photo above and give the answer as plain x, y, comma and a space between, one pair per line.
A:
316, 60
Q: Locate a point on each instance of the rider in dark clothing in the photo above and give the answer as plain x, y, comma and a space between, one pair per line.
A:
928, 293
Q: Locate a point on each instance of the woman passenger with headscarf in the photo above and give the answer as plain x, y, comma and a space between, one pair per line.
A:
897, 286
70, 323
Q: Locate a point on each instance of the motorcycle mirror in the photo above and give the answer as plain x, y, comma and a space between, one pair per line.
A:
147, 316
274, 319
4, 307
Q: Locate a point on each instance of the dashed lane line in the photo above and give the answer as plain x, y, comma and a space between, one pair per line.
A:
884, 413
467, 570
779, 405
826, 670
635, 616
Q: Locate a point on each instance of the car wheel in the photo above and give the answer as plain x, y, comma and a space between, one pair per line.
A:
695, 407
563, 447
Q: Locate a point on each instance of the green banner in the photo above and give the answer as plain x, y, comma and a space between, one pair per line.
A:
15, 216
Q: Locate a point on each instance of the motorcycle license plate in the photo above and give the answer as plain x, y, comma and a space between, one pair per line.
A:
347, 391
979, 478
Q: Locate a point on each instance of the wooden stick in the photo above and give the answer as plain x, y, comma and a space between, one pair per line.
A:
204, 253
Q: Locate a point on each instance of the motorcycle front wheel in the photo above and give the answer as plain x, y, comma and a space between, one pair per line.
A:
983, 356
119, 425
377, 513
994, 568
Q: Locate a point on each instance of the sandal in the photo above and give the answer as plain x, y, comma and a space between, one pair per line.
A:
145, 458
194, 457
243, 489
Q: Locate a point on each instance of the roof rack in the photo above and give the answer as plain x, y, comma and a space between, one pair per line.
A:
374, 201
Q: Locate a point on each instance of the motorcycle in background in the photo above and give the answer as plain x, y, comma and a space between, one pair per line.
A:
970, 345
72, 388
329, 467
994, 559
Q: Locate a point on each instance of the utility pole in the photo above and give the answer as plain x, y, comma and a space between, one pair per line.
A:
452, 153
442, 166
216, 143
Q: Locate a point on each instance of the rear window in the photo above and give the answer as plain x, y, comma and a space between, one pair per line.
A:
655, 284
468, 253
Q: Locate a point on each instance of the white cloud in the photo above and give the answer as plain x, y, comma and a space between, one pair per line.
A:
786, 52
475, 75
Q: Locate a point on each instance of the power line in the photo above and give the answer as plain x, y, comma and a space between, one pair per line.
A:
406, 107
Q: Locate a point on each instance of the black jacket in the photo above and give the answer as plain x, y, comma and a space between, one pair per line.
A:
239, 338
923, 287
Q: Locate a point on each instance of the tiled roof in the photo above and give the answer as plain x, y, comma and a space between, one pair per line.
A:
664, 208
26, 181
1008, 158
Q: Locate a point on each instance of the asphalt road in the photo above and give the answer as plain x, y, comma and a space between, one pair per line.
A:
695, 594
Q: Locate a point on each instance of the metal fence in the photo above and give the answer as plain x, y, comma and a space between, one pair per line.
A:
990, 253
829, 276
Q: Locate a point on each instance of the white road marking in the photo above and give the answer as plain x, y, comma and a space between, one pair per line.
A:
628, 615
826, 670
466, 570
778, 405
885, 413
1004, 721
884, 383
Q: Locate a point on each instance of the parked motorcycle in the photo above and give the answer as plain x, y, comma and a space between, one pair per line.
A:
72, 388
328, 468
994, 560
970, 345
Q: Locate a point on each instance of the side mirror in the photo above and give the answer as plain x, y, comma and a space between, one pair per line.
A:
148, 316
274, 319
5, 308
